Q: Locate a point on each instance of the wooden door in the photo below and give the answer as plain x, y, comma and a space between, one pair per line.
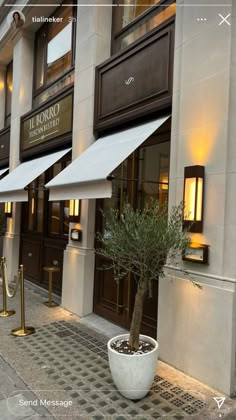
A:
143, 176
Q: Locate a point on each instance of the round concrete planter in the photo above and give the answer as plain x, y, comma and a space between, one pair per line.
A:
133, 374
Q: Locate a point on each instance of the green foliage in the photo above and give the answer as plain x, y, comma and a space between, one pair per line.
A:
140, 241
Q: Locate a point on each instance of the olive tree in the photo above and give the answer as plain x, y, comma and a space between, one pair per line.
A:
138, 242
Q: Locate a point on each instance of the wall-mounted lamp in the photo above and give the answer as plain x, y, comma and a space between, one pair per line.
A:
76, 235
193, 198
32, 205
8, 209
74, 211
196, 252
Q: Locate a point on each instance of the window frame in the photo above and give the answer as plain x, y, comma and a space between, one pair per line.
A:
49, 175
45, 233
7, 115
44, 28
116, 34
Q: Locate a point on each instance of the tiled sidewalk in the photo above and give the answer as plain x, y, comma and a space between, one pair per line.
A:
67, 361
12, 390
76, 362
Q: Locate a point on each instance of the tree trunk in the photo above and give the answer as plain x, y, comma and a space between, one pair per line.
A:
137, 315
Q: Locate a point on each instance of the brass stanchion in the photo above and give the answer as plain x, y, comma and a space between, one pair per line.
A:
23, 330
4, 312
50, 271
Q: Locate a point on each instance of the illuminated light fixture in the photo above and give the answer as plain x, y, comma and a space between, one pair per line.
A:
164, 182
32, 205
196, 252
74, 211
193, 198
8, 209
76, 235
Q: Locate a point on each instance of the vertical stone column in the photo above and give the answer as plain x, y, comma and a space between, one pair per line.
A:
200, 323
2, 95
92, 48
23, 55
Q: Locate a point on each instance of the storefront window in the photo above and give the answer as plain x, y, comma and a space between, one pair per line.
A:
40, 214
58, 210
55, 218
54, 52
66, 217
153, 174
119, 188
32, 206
133, 9
59, 47
125, 32
40, 202
55, 88
9, 77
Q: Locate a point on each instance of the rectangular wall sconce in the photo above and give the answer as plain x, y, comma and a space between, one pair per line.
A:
76, 235
8, 209
196, 253
32, 205
193, 198
74, 211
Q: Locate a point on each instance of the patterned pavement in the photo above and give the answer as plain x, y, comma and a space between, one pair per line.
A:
74, 357
66, 360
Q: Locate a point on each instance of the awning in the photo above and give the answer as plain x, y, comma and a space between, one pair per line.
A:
86, 177
3, 171
12, 187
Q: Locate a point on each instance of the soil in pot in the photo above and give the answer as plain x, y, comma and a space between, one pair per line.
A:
122, 346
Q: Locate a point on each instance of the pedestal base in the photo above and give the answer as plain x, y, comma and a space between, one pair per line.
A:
50, 305
7, 313
19, 332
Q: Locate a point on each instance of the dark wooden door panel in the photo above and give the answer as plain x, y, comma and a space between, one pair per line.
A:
117, 303
31, 259
36, 254
110, 298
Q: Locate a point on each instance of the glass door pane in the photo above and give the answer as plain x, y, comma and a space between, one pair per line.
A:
40, 203
153, 173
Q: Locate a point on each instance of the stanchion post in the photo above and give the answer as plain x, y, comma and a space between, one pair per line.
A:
50, 290
50, 271
4, 312
23, 330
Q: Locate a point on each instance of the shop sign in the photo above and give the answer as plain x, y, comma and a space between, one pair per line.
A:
47, 124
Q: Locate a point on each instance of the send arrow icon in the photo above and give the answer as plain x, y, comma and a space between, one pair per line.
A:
219, 401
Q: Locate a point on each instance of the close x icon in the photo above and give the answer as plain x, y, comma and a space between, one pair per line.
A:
224, 19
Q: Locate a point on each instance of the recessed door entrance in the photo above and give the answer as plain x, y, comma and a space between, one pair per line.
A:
44, 230
142, 177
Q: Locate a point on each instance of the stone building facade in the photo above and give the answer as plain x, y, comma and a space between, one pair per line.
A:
125, 69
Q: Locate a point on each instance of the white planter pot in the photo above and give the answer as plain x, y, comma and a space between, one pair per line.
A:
133, 374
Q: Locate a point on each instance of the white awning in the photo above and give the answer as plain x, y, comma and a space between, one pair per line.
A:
3, 171
86, 177
12, 187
